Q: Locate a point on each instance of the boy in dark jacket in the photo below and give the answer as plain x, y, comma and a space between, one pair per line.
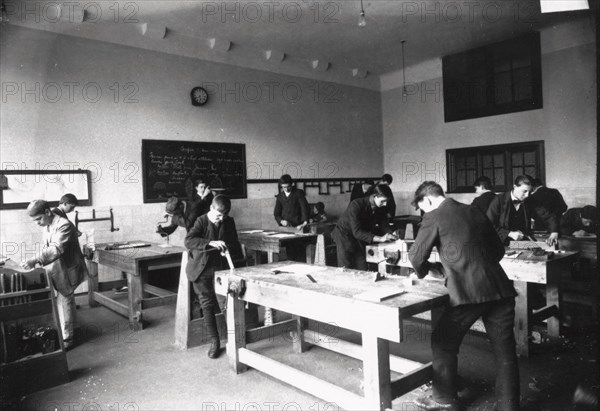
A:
364, 222
511, 214
291, 207
213, 234
470, 253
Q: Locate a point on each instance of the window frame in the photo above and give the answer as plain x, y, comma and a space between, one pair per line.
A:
507, 151
474, 74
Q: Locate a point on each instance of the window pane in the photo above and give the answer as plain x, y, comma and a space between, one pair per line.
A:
517, 159
499, 160
503, 91
523, 84
477, 92
529, 157
530, 171
471, 177
453, 183
471, 162
461, 178
488, 161
501, 62
499, 176
521, 60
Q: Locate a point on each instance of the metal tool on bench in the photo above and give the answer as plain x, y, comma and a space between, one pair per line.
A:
237, 285
531, 250
127, 245
529, 245
227, 255
394, 253
164, 233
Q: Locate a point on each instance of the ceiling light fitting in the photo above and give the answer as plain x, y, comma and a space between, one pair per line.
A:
362, 22
404, 93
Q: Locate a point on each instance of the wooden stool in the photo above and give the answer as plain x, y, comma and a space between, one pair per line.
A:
190, 332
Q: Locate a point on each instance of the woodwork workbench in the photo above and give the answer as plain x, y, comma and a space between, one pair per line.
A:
522, 272
584, 287
275, 241
135, 263
333, 296
586, 245
323, 227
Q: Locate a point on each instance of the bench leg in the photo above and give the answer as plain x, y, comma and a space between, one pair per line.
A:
553, 297
521, 319
136, 295
376, 370
272, 257
300, 345
236, 332
92, 282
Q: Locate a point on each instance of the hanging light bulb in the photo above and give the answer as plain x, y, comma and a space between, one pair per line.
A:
404, 93
3, 16
362, 22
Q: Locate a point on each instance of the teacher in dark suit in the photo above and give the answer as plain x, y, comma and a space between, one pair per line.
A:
470, 252
213, 232
364, 222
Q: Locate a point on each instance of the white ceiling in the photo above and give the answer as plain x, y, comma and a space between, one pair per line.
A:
305, 30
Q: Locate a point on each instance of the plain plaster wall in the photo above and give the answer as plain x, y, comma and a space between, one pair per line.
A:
53, 115
416, 137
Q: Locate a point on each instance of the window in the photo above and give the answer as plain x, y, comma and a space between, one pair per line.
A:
500, 78
500, 163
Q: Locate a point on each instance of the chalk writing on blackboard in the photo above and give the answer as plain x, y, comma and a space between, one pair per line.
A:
171, 167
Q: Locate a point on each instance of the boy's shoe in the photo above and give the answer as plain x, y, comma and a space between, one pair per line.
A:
215, 348
428, 403
68, 345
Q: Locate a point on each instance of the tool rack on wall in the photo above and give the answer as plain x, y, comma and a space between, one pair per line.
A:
324, 185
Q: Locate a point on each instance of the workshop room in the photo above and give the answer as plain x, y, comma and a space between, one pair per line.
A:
299, 205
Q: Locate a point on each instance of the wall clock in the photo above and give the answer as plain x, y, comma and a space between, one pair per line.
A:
199, 96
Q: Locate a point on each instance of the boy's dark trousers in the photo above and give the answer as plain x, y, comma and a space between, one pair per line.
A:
205, 288
498, 318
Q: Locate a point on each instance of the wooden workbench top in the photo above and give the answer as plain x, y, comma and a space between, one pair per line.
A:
154, 250
340, 282
273, 236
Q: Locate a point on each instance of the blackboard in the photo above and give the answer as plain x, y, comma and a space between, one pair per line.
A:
169, 168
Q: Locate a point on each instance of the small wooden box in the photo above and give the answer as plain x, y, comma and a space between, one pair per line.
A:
23, 375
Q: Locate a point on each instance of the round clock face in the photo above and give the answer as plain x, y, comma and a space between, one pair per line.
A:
199, 96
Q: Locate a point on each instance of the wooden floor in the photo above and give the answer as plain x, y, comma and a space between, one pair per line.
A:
116, 368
